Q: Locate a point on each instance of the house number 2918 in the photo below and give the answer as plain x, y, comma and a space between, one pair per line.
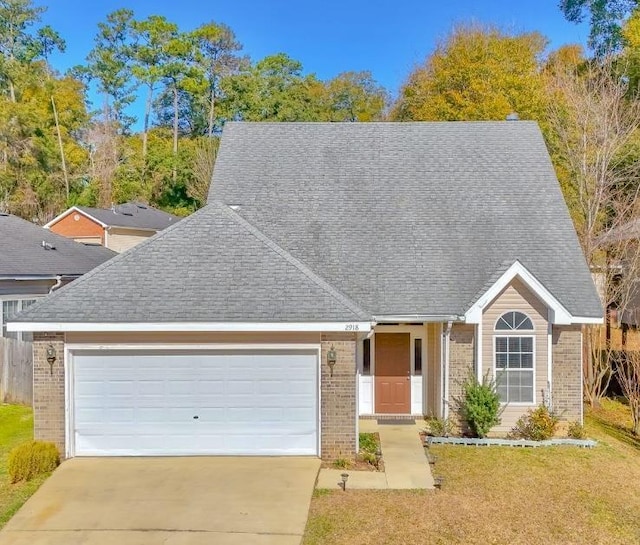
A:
351, 327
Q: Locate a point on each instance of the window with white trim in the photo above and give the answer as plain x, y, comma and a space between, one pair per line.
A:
9, 308
514, 358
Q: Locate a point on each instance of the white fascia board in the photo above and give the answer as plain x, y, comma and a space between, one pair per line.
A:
588, 320
349, 327
558, 313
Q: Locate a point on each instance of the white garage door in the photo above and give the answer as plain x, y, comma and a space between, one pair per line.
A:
181, 403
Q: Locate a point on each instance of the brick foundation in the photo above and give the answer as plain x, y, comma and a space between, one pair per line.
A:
338, 397
49, 390
567, 372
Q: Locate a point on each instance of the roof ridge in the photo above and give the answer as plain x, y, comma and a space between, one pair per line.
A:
304, 269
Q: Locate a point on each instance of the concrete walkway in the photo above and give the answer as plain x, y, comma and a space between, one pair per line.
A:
405, 463
174, 501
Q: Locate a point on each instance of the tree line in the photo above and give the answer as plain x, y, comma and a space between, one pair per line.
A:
55, 151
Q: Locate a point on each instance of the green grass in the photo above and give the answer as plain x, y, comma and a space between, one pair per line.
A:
507, 496
16, 426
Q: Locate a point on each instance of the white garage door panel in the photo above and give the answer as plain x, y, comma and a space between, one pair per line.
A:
245, 402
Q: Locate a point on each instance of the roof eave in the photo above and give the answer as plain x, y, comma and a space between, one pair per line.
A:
418, 318
558, 313
339, 326
47, 276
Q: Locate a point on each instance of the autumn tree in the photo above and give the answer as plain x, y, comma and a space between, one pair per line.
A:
476, 73
37, 140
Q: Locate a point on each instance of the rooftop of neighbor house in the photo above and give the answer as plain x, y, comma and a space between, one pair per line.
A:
131, 215
27, 249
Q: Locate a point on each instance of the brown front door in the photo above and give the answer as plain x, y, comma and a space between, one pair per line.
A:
393, 373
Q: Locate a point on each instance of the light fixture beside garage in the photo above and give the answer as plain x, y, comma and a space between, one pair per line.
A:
331, 358
51, 357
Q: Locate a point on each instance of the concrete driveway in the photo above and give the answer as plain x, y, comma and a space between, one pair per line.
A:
172, 501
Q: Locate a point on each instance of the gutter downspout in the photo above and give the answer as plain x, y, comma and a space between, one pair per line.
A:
57, 284
445, 374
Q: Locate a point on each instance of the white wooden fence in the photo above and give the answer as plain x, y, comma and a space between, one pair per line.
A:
16, 371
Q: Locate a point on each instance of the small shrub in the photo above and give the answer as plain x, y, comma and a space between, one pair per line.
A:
368, 442
341, 463
370, 458
537, 425
576, 431
440, 427
480, 405
31, 459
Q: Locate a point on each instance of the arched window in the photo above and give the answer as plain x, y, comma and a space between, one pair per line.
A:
513, 321
514, 358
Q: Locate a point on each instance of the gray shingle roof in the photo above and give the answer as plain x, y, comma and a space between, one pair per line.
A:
347, 221
210, 267
22, 252
132, 215
408, 218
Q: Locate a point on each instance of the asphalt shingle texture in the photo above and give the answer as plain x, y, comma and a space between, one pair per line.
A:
408, 218
133, 216
22, 253
333, 221
210, 267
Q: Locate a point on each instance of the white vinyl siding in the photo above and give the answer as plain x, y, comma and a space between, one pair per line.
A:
231, 402
517, 297
120, 240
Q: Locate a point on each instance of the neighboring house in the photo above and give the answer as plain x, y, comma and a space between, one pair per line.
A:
119, 228
34, 261
338, 271
622, 245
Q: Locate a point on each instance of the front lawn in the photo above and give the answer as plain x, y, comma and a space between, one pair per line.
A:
16, 426
494, 495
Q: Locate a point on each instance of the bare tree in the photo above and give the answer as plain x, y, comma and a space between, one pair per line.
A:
628, 370
594, 120
203, 163
103, 141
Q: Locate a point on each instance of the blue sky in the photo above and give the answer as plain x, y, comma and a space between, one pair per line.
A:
331, 36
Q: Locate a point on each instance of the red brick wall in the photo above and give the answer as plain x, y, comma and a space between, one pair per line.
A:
83, 227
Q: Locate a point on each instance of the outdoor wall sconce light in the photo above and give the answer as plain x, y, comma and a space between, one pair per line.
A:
51, 357
331, 358
343, 483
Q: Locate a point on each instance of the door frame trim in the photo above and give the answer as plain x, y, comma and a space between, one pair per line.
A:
419, 331
73, 348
